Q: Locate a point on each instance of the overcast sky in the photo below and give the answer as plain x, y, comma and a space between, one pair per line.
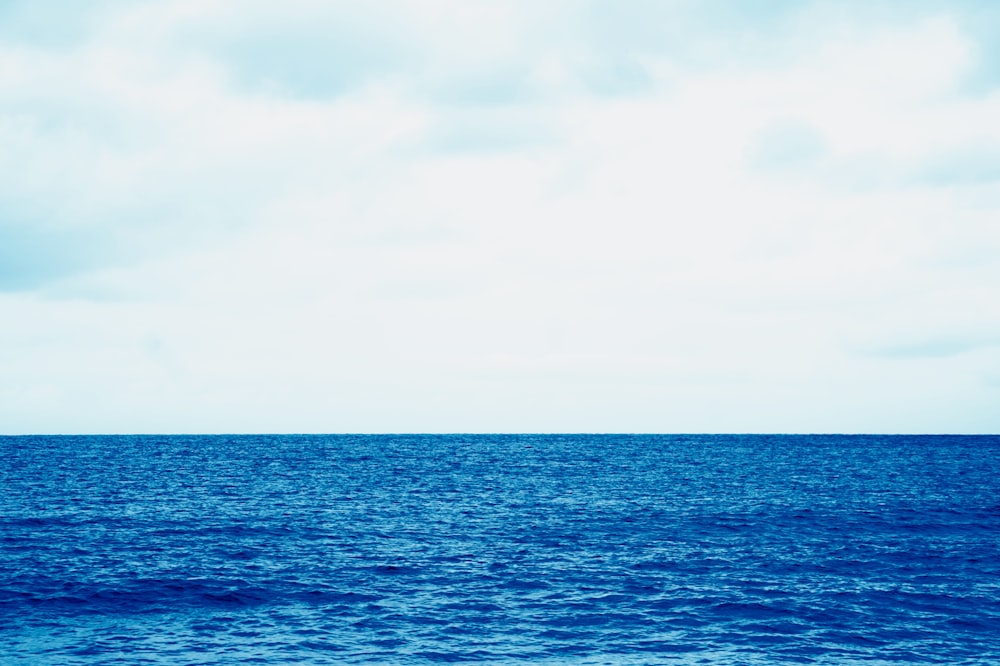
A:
499, 216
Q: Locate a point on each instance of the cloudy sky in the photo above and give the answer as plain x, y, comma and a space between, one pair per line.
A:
503, 215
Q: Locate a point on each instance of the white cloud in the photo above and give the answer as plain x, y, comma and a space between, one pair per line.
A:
470, 225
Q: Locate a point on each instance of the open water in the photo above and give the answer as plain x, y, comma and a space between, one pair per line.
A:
543, 549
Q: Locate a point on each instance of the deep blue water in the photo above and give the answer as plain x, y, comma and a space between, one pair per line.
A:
574, 549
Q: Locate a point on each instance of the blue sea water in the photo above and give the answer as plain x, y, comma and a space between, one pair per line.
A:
542, 549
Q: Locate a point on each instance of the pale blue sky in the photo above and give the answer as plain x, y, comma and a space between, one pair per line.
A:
632, 216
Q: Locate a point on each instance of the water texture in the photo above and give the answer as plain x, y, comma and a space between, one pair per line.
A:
575, 549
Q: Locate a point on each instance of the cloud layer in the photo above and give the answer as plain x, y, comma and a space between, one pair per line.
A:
461, 216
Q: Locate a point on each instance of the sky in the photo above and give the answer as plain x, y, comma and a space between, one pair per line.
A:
222, 216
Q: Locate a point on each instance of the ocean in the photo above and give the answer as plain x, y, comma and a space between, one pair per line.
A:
534, 549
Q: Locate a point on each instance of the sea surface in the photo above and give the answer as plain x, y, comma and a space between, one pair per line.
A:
535, 549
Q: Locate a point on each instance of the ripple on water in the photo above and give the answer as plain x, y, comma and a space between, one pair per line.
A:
544, 549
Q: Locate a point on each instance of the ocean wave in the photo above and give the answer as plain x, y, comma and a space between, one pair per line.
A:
474, 549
